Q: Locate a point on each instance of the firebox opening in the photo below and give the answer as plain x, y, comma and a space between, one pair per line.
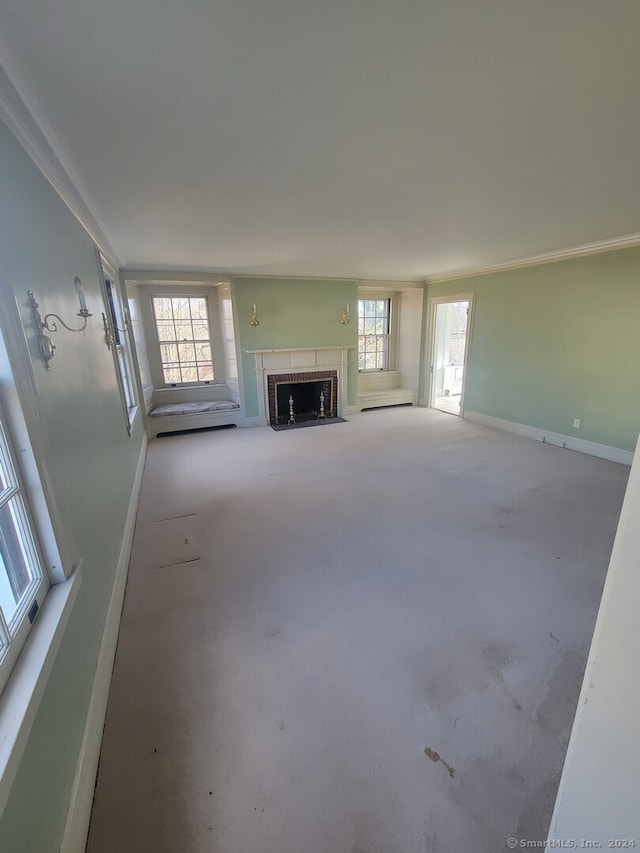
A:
311, 400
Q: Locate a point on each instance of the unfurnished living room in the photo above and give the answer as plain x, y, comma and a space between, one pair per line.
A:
319, 402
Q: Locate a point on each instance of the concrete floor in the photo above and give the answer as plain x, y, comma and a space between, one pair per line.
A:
367, 636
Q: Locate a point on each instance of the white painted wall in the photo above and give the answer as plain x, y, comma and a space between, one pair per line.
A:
142, 359
598, 794
228, 335
409, 336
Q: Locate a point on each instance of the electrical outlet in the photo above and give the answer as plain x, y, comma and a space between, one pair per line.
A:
576, 423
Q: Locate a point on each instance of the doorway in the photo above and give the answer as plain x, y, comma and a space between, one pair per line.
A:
449, 353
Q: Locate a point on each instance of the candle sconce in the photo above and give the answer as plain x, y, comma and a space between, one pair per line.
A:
253, 317
110, 330
345, 315
46, 346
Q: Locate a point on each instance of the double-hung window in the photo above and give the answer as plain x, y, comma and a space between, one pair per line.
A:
118, 330
23, 579
39, 566
374, 329
183, 330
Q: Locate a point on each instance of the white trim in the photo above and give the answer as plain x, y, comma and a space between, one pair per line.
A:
300, 360
592, 448
79, 814
21, 698
628, 241
431, 326
25, 117
114, 299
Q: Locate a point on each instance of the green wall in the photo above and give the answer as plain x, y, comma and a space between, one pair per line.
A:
92, 463
293, 313
558, 341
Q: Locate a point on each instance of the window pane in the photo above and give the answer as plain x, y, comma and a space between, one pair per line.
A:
205, 372
203, 352
189, 373
166, 331
172, 374
199, 308
201, 331
168, 353
186, 352
184, 331
14, 569
181, 309
162, 308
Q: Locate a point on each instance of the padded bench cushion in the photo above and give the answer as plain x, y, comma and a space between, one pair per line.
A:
193, 408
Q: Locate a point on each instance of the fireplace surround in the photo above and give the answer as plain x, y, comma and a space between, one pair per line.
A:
317, 364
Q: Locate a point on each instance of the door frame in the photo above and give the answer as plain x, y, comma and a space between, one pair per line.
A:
431, 325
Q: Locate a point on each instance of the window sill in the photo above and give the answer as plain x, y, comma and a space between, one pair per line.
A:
132, 414
21, 698
177, 386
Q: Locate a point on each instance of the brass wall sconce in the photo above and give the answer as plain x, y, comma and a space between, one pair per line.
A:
46, 346
253, 317
345, 315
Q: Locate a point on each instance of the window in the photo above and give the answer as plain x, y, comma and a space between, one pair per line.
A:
374, 316
119, 326
118, 339
184, 338
39, 565
23, 580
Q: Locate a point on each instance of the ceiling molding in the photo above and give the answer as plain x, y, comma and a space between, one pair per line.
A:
629, 241
23, 114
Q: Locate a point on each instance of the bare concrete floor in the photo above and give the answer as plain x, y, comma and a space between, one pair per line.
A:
368, 636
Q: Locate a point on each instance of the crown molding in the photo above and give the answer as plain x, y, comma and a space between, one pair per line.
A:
25, 117
629, 241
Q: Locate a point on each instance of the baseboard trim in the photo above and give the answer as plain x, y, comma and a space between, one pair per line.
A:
592, 448
79, 815
351, 410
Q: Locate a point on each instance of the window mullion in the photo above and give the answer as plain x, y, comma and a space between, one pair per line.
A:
6, 496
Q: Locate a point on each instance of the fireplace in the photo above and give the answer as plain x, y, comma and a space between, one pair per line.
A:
307, 395
306, 364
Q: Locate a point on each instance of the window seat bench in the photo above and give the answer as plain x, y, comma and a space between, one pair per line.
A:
383, 389
171, 417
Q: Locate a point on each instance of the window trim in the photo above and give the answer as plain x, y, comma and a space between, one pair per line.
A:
182, 289
116, 312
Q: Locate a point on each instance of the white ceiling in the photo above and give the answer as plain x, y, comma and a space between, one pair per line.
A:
350, 138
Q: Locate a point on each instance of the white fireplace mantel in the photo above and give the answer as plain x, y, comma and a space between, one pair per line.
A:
300, 360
